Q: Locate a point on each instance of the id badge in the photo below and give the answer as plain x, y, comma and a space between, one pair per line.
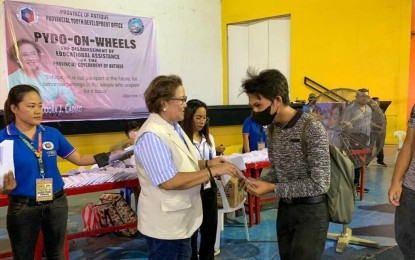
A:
261, 145
44, 189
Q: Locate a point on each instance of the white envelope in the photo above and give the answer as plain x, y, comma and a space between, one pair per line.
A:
117, 156
6, 159
239, 162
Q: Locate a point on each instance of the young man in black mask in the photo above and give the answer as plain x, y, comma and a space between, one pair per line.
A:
299, 180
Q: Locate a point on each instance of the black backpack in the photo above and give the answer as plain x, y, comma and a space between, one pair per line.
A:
340, 196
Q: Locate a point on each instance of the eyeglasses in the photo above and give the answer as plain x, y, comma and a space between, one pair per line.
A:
202, 119
182, 99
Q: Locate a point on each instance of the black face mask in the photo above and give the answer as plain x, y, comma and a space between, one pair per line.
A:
264, 117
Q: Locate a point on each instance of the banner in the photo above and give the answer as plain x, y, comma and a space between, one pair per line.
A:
86, 64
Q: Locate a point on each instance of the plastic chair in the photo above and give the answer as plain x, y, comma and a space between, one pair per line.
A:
126, 193
401, 137
227, 209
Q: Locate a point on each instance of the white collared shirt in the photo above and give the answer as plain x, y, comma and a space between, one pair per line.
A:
203, 150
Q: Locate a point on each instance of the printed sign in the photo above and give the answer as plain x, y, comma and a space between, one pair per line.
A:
86, 64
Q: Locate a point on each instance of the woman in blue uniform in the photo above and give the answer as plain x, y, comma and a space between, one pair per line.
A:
253, 136
38, 201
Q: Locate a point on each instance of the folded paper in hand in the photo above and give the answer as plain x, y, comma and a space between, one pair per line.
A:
6, 159
239, 162
127, 151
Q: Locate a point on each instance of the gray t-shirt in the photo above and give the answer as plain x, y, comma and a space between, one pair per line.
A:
295, 174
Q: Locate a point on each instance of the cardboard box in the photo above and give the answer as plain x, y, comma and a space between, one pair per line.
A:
234, 193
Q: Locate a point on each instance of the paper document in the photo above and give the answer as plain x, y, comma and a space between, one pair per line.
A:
6, 159
127, 151
239, 162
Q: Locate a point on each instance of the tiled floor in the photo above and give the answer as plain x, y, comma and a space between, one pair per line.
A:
372, 220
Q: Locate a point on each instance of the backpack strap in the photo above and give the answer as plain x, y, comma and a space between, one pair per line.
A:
303, 137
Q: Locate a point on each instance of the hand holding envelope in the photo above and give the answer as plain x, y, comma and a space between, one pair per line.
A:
239, 162
254, 186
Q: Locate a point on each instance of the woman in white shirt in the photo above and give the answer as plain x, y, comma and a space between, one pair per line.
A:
196, 126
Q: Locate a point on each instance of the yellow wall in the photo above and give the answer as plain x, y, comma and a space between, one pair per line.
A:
227, 135
89, 144
349, 44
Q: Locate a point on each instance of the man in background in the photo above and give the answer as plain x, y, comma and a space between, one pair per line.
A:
357, 121
311, 106
378, 134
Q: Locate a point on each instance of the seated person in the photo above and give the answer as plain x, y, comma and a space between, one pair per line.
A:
130, 131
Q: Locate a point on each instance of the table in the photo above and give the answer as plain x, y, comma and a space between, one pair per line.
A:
362, 156
78, 191
253, 170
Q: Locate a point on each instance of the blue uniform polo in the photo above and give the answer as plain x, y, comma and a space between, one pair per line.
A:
26, 163
256, 133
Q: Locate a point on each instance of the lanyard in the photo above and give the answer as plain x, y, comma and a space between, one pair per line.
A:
202, 153
38, 152
261, 133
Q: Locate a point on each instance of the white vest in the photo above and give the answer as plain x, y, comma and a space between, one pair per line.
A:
168, 214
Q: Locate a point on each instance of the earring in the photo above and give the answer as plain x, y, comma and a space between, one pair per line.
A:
164, 109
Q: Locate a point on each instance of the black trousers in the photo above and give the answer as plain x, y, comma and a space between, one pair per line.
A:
380, 156
209, 224
375, 138
404, 223
357, 172
302, 230
25, 218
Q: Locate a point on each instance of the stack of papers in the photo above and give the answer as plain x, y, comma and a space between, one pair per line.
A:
99, 176
252, 157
